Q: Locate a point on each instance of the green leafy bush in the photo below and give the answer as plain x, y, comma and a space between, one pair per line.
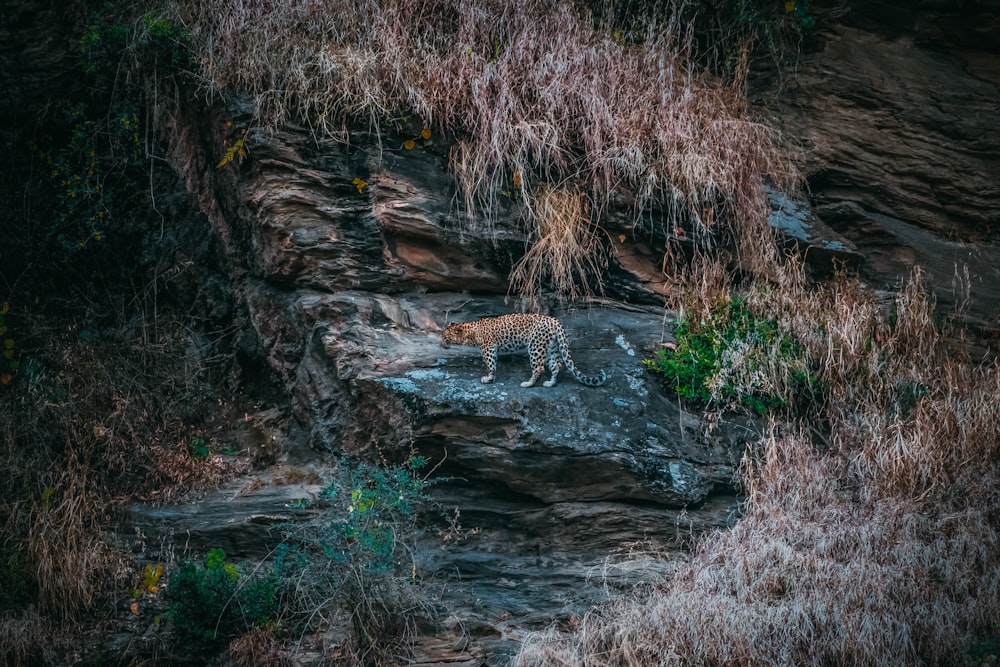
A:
383, 505
216, 601
735, 359
356, 559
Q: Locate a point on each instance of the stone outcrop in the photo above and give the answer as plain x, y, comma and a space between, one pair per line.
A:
552, 481
896, 105
349, 258
348, 261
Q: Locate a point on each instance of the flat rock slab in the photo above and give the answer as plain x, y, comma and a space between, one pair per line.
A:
623, 441
555, 488
243, 517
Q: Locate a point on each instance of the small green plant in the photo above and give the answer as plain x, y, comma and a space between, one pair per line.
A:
216, 601
765, 19
749, 28
383, 500
198, 448
734, 359
237, 150
101, 41
84, 171
107, 37
800, 10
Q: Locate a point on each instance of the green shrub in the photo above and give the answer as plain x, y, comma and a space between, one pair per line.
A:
383, 505
356, 562
734, 359
216, 601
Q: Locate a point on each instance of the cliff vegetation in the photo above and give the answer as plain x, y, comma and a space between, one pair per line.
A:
137, 341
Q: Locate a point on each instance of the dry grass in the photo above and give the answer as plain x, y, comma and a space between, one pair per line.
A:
71, 564
88, 425
27, 638
566, 250
259, 648
878, 546
540, 97
804, 580
910, 413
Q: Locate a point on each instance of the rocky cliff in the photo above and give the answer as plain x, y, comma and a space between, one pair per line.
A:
351, 259
345, 260
347, 288
895, 105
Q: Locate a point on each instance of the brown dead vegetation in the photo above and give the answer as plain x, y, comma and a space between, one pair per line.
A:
89, 425
542, 97
869, 535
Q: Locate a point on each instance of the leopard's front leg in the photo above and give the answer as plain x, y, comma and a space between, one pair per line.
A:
490, 359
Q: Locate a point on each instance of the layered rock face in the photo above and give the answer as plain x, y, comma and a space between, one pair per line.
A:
897, 106
350, 257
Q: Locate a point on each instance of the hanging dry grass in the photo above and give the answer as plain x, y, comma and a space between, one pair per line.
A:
565, 248
536, 92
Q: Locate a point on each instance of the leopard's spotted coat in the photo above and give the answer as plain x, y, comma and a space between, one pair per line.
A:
544, 337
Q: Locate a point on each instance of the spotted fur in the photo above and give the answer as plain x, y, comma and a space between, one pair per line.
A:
544, 337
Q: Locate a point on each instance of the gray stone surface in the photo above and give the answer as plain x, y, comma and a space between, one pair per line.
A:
553, 485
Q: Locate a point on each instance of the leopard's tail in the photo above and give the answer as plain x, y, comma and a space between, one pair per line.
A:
589, 380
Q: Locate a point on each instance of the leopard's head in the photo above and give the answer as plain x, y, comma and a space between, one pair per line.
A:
459, 334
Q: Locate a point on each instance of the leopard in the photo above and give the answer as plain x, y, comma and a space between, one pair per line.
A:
543, 335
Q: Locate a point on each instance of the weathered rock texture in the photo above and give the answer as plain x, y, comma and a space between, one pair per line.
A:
347, 289
350, 258
897, 105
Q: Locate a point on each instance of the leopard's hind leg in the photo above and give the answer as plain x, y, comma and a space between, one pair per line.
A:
536, 354
554, 362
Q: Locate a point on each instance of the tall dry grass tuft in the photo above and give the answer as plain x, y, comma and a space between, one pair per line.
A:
701, 286
565, 248
540, 95
879, 546
69, 559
